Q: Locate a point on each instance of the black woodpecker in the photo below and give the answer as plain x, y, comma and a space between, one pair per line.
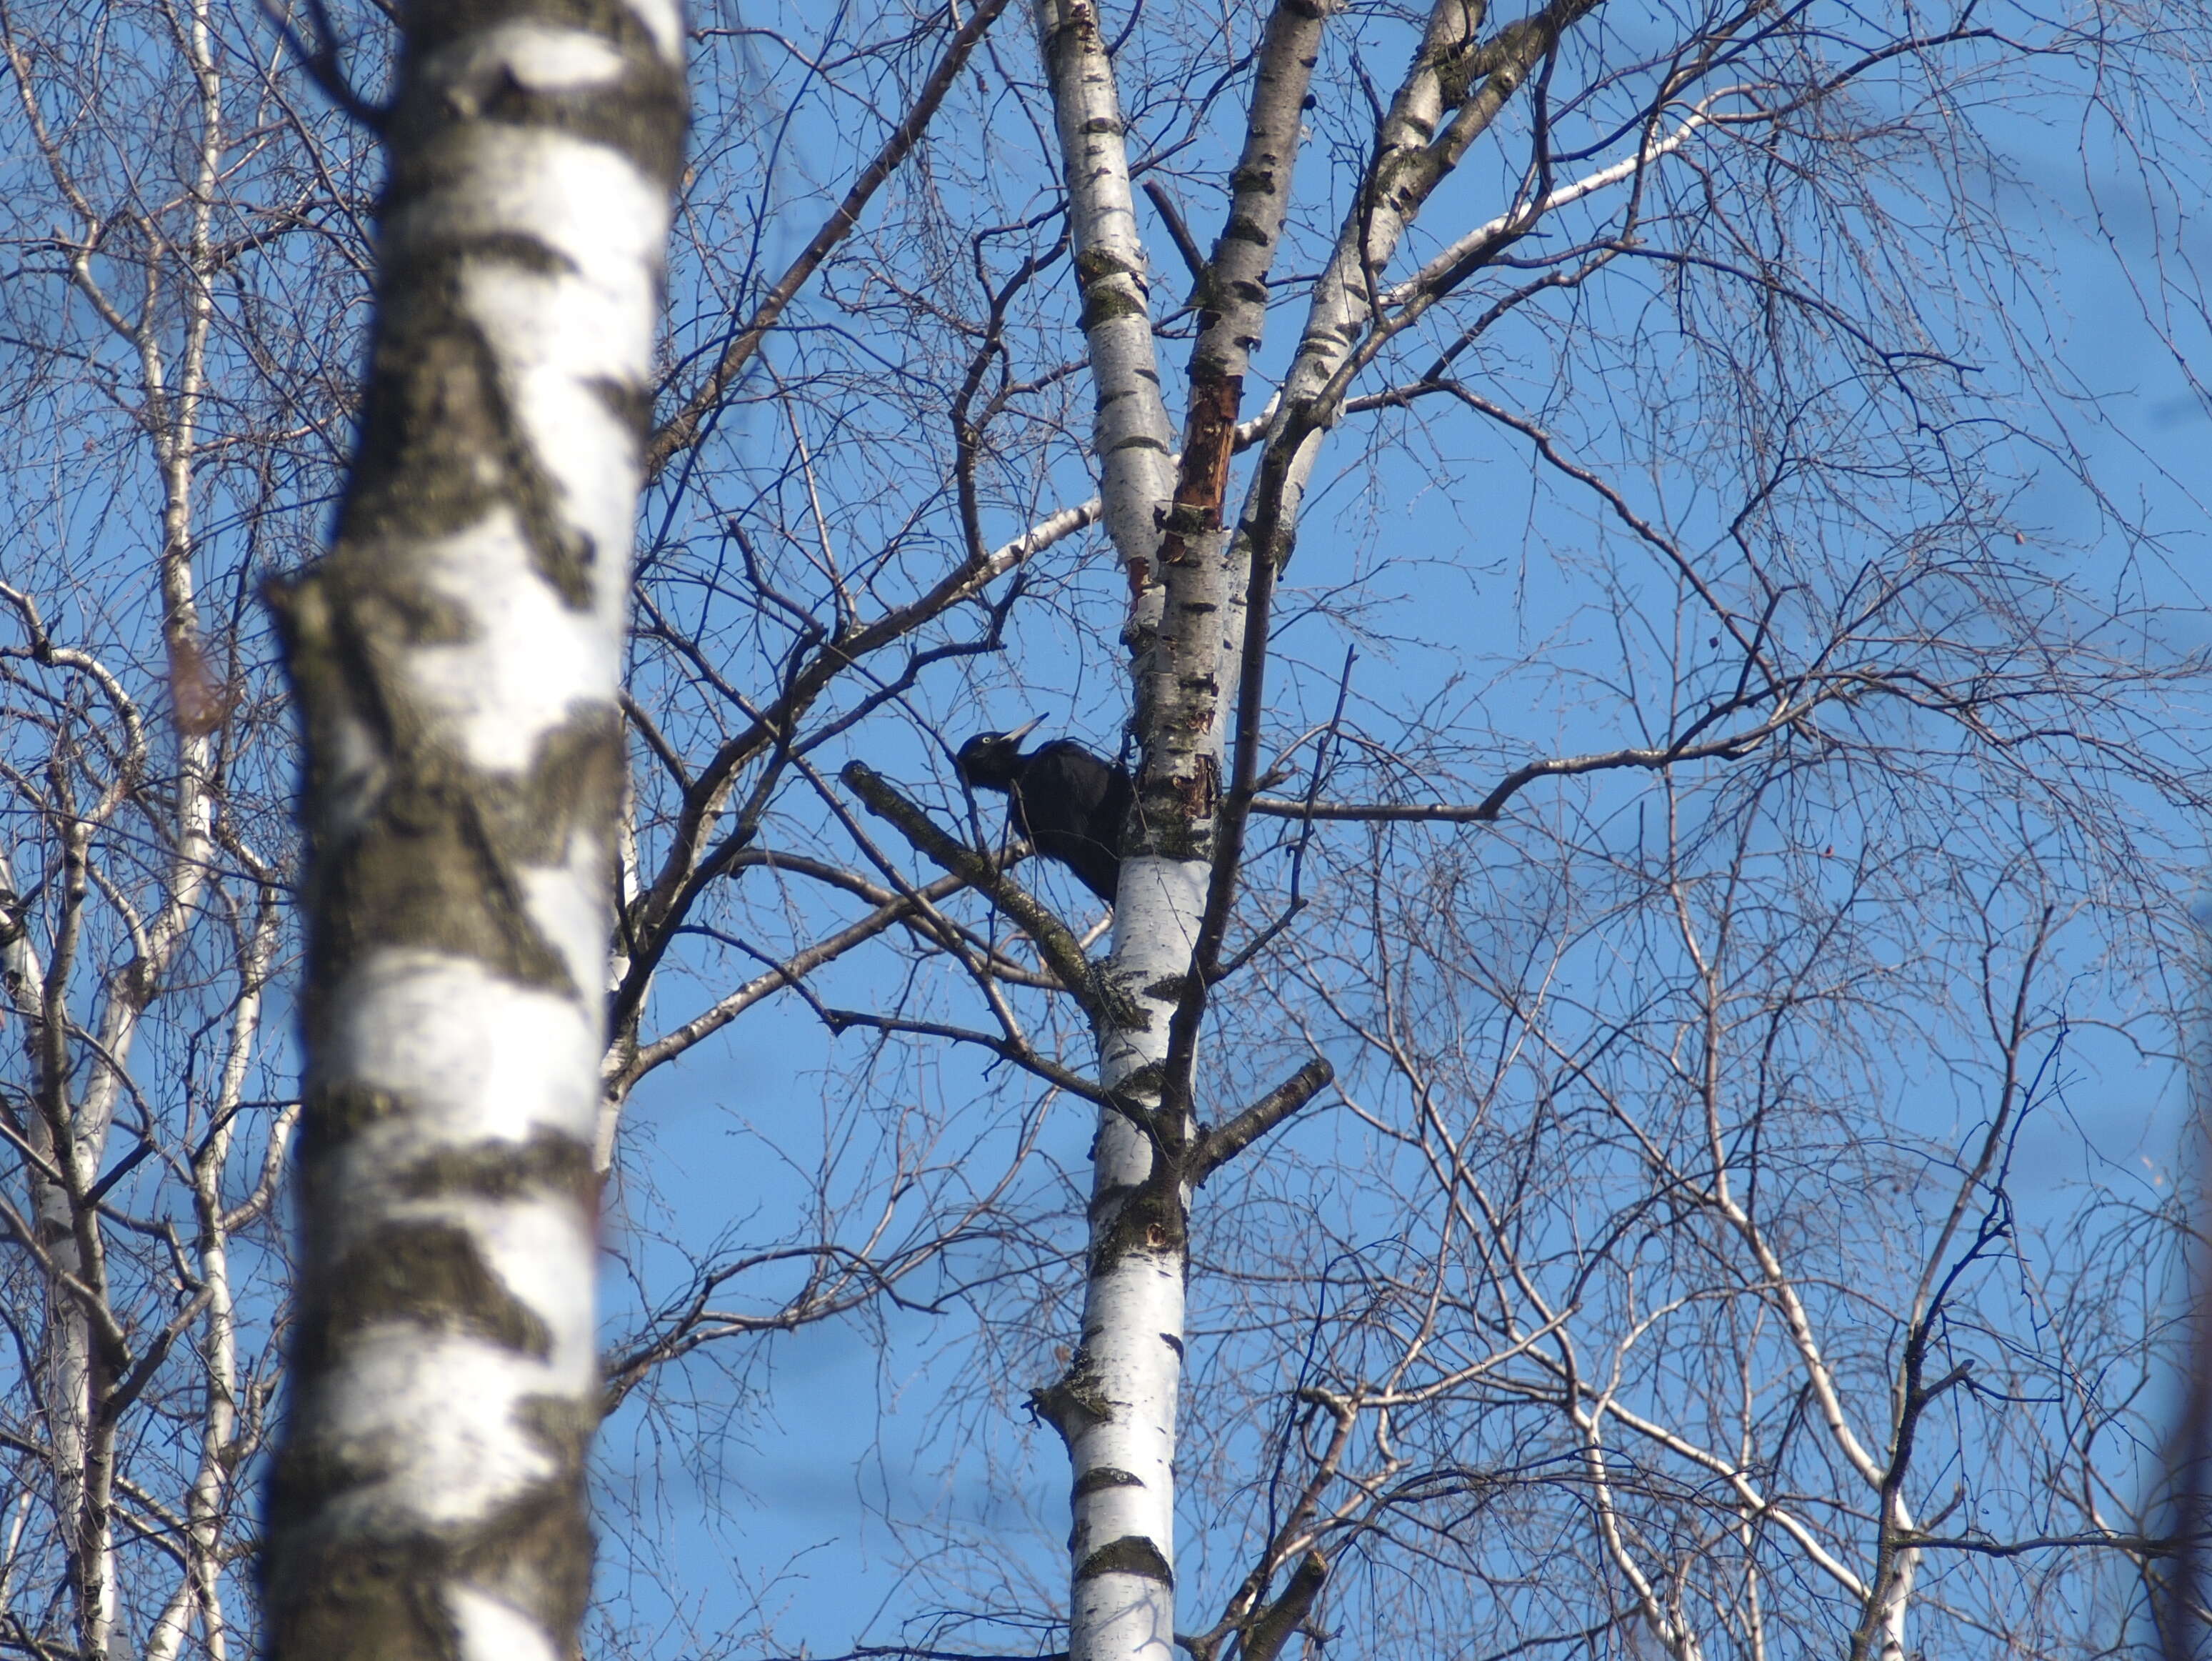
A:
1068, 803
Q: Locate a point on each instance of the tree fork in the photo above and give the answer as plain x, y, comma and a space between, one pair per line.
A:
1184, 658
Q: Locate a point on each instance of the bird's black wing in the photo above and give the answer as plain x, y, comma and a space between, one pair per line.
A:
1072, 804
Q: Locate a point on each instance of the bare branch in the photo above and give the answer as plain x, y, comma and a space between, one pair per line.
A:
1231, 1137
1053, 937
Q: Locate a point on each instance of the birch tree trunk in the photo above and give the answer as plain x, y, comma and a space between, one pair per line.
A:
1665, 960
90, 1369
1192, 606
456, 657
1115, 1404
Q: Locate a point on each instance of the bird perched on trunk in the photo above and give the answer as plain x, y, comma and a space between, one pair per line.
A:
1070, 804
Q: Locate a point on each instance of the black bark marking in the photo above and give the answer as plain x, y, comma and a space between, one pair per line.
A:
1132, 1554
1150, 1221
548, 1163
333, 1115
629, 113
427, 1274
335, 1593
1074, 1401
421, 847
1105, 1476
442, 448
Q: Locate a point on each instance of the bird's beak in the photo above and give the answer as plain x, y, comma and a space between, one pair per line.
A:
1021, 732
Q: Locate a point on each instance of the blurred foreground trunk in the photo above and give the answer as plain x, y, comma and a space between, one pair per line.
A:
456, 658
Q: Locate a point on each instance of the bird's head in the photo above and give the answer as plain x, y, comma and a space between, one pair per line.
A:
989, 760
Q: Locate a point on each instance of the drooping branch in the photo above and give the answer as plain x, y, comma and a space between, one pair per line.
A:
693, 846
1641, 757
1021, 1055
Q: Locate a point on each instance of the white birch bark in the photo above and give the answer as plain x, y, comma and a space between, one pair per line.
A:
67, 1383
1131, 431
177, 403
1453, 91
200, 1588
456, 656
1895, 1601
1116, 1412
1115, 1405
